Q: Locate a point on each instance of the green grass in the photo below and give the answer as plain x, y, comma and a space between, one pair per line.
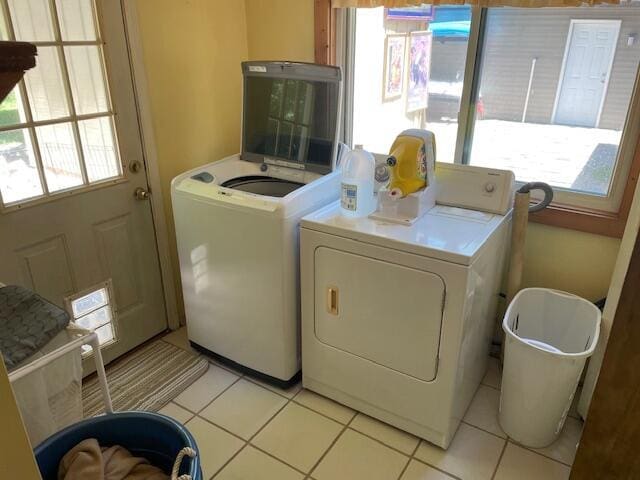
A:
9, 115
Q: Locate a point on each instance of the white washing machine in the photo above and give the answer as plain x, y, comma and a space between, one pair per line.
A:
397, 320
237, 219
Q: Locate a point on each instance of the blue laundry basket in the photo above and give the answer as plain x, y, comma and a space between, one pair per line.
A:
153, 436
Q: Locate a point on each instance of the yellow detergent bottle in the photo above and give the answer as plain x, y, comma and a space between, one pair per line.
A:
411, 162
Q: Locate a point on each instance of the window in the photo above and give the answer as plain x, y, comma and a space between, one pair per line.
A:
444, 43
56, 126
92, 310
555, 87
546, 92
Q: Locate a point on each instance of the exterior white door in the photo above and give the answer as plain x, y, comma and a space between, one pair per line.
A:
591, 47
71, 159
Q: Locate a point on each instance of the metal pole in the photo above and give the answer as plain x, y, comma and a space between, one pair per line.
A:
526, 101
102, 377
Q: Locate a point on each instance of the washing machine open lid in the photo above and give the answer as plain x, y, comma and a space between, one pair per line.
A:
262, 185
290, 114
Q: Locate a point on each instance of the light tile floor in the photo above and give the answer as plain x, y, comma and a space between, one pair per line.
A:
247, 430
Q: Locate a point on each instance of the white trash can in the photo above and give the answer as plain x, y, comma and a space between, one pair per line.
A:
548, 337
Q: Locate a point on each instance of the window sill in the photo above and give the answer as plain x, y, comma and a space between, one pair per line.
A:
590, 221
594, 221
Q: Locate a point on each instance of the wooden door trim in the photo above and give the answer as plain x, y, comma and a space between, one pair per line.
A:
145, 122
609, 445
324, 32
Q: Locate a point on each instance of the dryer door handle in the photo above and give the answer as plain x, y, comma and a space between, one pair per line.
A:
332, 300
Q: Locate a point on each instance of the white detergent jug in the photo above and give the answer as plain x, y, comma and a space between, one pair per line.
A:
358, 171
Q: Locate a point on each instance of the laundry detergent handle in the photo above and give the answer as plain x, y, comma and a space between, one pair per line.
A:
357, 196
411, 162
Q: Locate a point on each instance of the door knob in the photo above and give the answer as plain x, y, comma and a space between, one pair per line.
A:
141, 194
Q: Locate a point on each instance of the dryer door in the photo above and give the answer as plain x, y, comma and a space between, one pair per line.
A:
386, 313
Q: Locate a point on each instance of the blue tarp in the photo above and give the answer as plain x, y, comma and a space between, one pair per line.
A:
450, 29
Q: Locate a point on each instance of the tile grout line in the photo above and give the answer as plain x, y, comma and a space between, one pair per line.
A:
248, 442
211, 401
509, 440
224, 465
532, 450
381, 442
406, 465
263, 385
506, 437
504, 448
335, 440
449, 474
466, 422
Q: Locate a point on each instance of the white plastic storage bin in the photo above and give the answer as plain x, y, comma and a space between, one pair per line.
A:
50, 398
548, 337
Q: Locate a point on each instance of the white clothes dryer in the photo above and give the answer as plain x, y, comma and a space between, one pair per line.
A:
397, 320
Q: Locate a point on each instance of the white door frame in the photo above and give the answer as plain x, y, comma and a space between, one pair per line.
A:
575, 21
143, 107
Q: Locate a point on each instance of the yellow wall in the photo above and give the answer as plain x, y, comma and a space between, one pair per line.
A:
192, 52
280, 30
576, 262
16, 456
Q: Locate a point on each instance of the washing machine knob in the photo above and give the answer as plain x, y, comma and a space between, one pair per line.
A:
264, 167
489, 187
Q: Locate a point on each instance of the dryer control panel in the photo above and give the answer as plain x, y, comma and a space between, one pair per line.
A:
477, 188
485, 189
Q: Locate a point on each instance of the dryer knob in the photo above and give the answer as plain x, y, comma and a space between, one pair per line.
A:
489, 187
264, 167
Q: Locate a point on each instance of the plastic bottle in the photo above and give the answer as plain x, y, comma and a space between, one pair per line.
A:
358, 170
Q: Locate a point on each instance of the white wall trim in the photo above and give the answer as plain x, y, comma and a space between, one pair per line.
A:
143, 107
574, 21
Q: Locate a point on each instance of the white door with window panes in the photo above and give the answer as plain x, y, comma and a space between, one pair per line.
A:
591, 47
71, 225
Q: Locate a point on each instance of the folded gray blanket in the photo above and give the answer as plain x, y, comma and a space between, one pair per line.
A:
27, 323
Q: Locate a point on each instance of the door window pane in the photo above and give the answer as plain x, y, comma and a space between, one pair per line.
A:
415, 82
555, 87
95, 319
93, 311
12, 109
87, 303
59, 156
99, 150
105, 334
87, 81
76, 19
32, 20
19, 178
45, 87
4, 34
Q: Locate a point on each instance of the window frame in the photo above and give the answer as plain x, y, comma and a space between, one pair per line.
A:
73, 118
107, 285
334, 34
